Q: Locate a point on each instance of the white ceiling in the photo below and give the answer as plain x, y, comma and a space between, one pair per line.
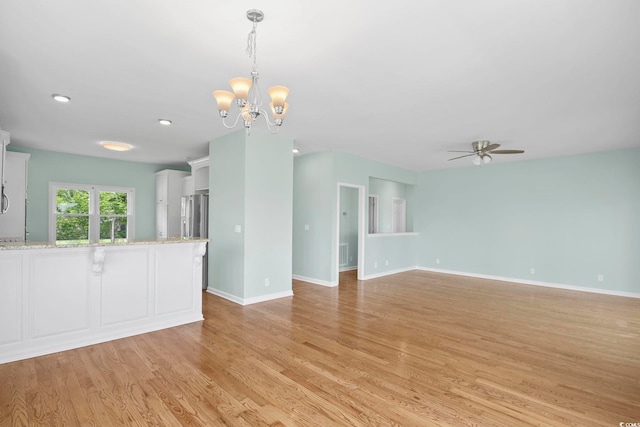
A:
400, 82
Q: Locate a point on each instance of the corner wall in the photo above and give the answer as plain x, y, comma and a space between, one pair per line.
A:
569, 218
250, 199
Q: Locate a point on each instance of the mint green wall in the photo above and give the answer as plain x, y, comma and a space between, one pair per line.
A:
226, 210
250, 180
349, 223
316, 198
386, 191
268, 214
49, 166
312, 194
398, 250
571, 218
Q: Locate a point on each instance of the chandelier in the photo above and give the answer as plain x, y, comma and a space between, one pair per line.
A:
247, 92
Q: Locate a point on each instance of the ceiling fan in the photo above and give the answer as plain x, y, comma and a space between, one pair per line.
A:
482, 151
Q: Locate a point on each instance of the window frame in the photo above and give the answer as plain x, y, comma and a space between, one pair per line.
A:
94, 208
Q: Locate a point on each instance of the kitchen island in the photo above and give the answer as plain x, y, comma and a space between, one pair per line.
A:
59, 297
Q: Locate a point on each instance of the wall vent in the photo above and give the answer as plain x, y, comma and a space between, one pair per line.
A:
344, 254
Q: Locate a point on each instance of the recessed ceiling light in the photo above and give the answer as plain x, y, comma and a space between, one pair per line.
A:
116, 146
165, 122
60, 98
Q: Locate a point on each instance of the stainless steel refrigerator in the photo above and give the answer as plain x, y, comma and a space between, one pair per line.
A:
195, 224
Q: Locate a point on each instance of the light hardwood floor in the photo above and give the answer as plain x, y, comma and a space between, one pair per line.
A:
413, 349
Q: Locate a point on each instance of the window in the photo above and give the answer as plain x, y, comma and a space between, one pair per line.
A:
90, 213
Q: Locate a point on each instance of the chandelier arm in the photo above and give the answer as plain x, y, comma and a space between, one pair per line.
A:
270, 126
235, 123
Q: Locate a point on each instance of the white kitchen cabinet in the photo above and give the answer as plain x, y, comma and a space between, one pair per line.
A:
188, 187
169, 184
200, 174
13, 221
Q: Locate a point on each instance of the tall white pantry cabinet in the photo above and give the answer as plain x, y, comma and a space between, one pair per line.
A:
169, 184
13, 221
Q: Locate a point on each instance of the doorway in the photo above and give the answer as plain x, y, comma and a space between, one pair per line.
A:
350, 231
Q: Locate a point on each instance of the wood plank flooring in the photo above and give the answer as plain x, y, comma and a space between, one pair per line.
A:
412, 349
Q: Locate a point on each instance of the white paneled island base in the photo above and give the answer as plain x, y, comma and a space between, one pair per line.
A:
59, 298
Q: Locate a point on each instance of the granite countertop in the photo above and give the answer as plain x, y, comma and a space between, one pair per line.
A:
47, 245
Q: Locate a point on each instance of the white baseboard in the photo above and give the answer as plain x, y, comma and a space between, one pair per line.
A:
387, 273
354, 267
248, 301
535, 283
315, 281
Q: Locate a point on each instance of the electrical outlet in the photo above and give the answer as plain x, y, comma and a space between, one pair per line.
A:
266, 282
600, 277
306, 227
533, 270
386, 262
437, 260
238, 229
375, 264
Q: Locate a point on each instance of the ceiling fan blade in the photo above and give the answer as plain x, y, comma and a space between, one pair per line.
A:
491, 147
466, 151
466, 155
507, 152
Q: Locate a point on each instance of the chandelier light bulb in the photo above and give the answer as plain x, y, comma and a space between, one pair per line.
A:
247, 116
476, 160
278, 96
241, 87
278, 117
224, 99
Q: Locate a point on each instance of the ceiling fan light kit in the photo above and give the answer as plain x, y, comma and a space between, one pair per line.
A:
482, 151
247, 92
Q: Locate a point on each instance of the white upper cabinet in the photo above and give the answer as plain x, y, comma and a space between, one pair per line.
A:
168, 202
200, 174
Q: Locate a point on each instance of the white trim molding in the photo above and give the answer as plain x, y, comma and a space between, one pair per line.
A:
388, 273
248, 301
535, 283
315, 281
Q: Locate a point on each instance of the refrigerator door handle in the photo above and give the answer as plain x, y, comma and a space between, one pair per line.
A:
4, 202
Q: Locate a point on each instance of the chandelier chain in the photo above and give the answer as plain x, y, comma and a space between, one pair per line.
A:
251, 44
